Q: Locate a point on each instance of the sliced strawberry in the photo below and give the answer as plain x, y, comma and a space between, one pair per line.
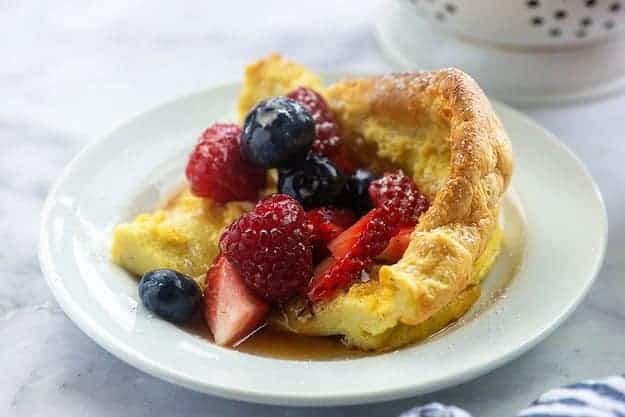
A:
323, 267
340, 216
324, 231
342, 244
338, 274
398, 204
354, 250
396, 246
328, 223
320, 271
231, 309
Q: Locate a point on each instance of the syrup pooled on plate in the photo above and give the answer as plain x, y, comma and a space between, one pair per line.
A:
280, 344
275, 343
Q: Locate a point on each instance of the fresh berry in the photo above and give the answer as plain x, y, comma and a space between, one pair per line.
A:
169, 294
339, 275
217, 170
343, 162
329, 222
398, 204
323, 267
370, 236
344, 242
396, 246
314, 182
323, 230
357, 190
400, 195
271, 248
231, 309
276, 132
354, 250
327, 141
339, 216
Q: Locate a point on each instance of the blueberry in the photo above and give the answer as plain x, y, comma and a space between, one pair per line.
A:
356, 194
276, 132
169, 294
313, 181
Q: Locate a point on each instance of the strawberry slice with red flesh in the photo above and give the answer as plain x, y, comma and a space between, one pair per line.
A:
339, 275
329, 222
340, 216
399, 204
321, 269
342, 244
354, 250
396, 246
231, 309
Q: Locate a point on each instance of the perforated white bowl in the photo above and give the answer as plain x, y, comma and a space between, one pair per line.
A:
527, 23
520, 51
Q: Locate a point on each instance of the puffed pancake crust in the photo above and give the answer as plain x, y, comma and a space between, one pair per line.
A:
440, 128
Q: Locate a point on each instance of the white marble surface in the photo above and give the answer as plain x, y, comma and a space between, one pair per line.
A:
72, 70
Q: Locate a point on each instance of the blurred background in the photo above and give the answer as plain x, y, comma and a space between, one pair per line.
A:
71, 71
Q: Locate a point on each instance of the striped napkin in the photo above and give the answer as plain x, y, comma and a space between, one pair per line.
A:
594, 398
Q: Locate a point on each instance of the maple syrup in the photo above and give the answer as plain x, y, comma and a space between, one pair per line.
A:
275, 343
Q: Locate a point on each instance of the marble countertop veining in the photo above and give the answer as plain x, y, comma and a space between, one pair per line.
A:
72, 70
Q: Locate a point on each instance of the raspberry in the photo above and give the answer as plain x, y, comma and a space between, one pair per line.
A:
328, 140
399, 195
271, 249
217, 170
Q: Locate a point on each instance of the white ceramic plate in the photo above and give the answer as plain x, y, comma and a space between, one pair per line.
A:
555, 216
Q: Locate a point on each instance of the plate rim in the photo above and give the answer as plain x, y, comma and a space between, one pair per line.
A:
136, 359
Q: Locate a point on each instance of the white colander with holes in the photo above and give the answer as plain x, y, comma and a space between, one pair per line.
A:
525, 23
523, 51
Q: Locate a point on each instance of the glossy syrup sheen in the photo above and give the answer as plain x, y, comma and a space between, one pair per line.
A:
285, 345
275, 343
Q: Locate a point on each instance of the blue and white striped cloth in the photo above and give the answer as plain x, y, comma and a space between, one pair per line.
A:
600, 398
435, 410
